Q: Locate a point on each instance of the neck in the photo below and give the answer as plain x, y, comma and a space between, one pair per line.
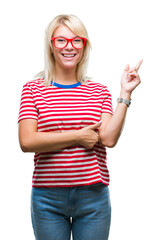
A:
65, 76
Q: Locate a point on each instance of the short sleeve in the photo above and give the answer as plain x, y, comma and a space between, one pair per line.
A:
27, 109
107, 101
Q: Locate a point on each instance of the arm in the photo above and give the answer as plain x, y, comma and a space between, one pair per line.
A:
112, 125
33, 141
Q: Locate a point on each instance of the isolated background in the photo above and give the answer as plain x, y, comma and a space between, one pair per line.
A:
129, 31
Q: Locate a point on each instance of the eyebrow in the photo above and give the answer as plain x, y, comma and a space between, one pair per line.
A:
66, 37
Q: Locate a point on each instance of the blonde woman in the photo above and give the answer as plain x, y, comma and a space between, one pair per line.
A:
68, 121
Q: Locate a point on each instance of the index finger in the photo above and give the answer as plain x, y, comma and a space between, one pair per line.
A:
138, 65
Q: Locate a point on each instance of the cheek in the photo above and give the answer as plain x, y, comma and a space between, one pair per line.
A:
80, 55
56, 55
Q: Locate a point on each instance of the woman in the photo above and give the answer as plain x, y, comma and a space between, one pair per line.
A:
68, 121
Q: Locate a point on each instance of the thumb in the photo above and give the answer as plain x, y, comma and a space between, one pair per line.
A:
94, 126
127, 67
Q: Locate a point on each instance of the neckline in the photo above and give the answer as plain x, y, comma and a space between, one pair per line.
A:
65, 86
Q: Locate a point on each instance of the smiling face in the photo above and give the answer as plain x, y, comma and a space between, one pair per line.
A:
68, 57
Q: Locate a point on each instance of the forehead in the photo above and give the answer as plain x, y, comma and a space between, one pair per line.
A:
63, 31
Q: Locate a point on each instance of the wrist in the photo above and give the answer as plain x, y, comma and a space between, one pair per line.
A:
125, 95
77, 136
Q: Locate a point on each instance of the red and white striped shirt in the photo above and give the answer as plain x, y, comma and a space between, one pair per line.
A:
67, 108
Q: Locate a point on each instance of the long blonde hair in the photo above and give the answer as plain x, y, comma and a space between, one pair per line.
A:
78, 28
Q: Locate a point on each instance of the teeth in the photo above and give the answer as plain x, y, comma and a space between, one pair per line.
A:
67, 55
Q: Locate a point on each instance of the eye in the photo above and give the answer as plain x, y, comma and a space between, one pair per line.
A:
60, 40
77, 40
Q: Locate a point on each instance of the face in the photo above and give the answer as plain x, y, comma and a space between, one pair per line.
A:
68, 57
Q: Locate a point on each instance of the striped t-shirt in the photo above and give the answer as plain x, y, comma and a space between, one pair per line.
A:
67, 108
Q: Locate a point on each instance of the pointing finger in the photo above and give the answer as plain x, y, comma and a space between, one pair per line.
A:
138, 65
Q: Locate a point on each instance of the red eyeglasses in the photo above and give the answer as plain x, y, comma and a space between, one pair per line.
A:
61, 42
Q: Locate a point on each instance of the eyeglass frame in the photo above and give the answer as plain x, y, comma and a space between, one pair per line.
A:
69, 40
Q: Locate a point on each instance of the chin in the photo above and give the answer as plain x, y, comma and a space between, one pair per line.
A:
68, 66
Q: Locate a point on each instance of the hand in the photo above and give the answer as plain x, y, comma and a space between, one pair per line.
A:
88, 137
130, 78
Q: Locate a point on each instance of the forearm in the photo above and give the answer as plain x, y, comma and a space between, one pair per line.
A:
110, 133
113, 129
49, 141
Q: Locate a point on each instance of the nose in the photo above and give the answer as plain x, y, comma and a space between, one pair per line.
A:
69, 45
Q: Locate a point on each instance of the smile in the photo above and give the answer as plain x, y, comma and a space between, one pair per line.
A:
68, 55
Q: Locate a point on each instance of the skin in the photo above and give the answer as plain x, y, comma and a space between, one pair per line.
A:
109, 129
130, 78
66, 68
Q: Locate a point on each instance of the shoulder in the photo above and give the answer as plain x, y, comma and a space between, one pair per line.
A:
36, 83
99, 87
93, 83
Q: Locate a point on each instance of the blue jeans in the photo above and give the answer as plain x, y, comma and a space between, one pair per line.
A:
84, 211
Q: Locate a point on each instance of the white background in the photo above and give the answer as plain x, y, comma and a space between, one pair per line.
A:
121, 32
